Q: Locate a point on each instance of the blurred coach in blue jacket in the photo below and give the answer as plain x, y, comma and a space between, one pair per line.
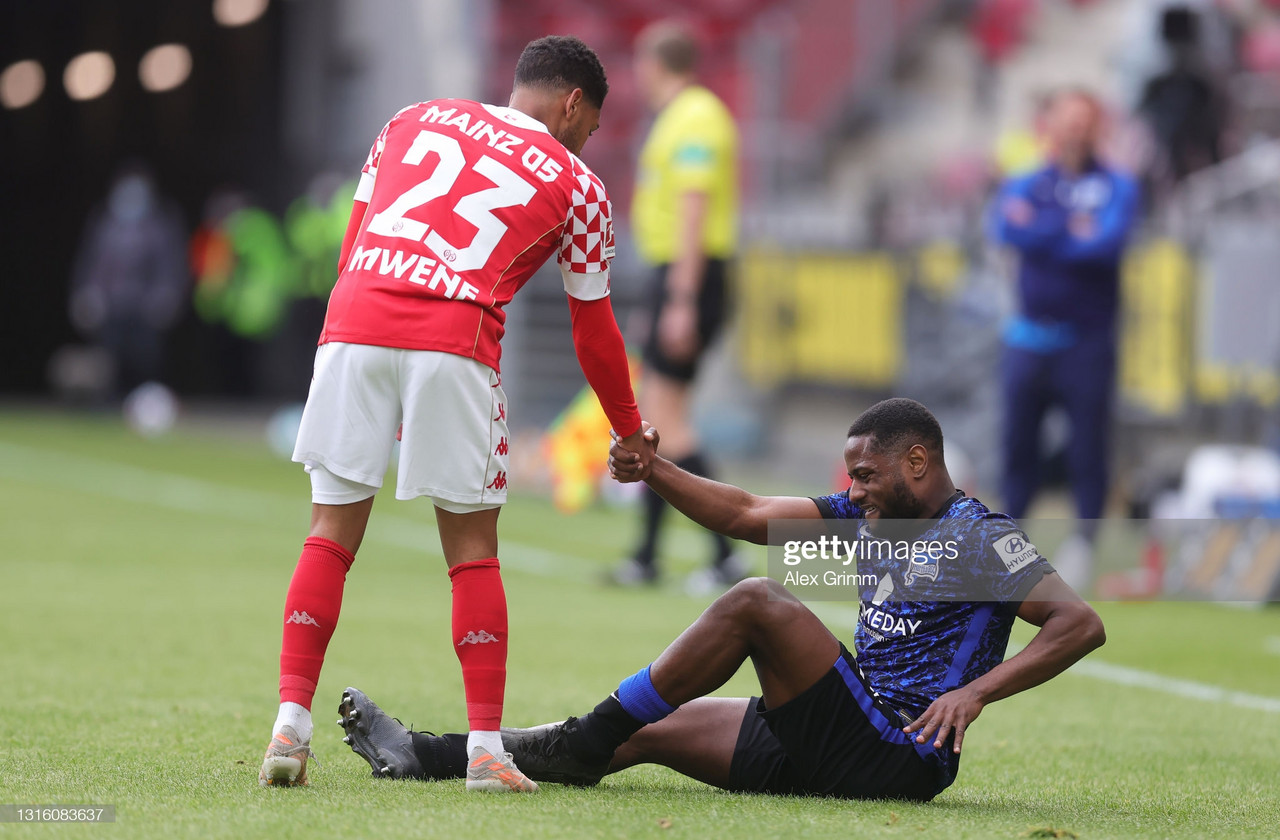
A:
1069, 222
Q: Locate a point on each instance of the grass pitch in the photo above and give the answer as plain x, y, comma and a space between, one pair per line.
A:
140, 598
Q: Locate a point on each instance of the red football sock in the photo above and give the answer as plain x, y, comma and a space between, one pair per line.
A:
480, 639
310, 614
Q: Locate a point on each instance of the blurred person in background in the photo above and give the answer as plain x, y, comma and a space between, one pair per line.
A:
684, 216
1069, 222
1182, 103
1145, 50
130, 282
458, 205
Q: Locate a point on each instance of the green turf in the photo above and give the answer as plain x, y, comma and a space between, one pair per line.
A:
140, 599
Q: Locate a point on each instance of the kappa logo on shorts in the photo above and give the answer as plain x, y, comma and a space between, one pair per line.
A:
499, 483
301, 618
502, 413
1015, 551
481, 637
502, 447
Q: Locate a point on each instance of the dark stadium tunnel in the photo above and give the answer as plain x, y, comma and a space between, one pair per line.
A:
57, 156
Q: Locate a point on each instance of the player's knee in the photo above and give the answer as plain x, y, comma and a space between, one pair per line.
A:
751, 596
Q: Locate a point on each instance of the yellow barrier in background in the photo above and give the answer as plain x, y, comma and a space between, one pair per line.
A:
837, 319
826, 318
1156, 327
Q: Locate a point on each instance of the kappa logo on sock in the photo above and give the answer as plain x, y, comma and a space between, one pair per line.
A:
477, 638
301, 618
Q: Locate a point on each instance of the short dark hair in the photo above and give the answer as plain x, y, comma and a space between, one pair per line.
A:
563, 62
672, 44
897, 424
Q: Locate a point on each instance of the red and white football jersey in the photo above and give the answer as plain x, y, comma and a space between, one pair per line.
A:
466, 202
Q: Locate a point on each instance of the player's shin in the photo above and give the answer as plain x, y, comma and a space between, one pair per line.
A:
480, 641
311, 611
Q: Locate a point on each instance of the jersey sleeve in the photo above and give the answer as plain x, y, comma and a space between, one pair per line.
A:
837, 506
364, 190
603, 357
586, 246
1011, 564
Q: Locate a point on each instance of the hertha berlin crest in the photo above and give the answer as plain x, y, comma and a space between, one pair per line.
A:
921, 566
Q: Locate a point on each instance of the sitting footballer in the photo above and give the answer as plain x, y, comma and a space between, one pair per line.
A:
887, 721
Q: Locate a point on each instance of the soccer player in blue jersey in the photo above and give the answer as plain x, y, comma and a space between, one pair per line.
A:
888, 722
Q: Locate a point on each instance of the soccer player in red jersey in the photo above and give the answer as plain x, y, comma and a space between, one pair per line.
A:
458, 205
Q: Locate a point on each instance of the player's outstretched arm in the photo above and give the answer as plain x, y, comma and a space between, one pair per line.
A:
1069, 629
603, 359
714, 505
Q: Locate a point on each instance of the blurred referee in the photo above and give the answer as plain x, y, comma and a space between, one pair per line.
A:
684, 218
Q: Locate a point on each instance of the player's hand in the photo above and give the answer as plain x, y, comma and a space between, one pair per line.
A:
631, 457
1019, 212
950, 713
678, 330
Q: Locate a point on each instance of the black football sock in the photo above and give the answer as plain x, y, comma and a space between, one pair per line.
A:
698, 465
441, 756
655, 508
597, 735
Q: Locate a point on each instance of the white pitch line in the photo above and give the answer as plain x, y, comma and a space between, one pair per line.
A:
111, 479
1123, 675
1190, 689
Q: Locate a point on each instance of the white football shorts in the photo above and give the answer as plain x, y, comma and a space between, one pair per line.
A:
455, 440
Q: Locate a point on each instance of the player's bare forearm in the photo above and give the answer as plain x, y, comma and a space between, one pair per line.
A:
719, 507
678, 323
684, 277
1070, 632
1069, 629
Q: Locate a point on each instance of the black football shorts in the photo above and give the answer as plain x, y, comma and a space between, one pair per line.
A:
835, 739
712, 310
